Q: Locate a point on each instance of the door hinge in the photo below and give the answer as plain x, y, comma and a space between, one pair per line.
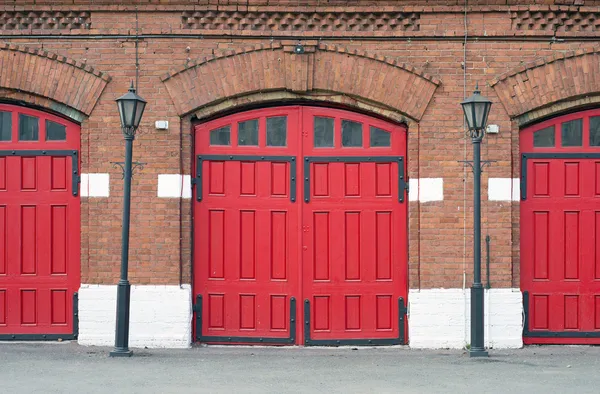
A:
193, 182
406, 185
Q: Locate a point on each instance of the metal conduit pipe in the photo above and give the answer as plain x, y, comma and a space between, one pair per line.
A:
544, 38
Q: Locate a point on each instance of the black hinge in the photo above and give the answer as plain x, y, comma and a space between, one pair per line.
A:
406, 185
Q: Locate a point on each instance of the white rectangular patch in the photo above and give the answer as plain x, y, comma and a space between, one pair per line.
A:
426, 189
441, 318
504, 189
174, 186
161, 316
95, 185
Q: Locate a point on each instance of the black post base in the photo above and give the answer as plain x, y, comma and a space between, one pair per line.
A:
478, 353
477, 322
121, 353
122, 331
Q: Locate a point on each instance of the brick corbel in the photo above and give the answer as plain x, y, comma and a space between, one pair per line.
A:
381, 84
550, 85
49, 80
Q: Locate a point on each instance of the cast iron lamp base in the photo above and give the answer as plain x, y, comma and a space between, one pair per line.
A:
478, 353
121, 353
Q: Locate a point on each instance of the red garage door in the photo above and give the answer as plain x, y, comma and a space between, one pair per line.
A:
560, 230
300, 217
39, 225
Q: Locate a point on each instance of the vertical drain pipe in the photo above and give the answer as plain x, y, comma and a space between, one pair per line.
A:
488, 308
487, 262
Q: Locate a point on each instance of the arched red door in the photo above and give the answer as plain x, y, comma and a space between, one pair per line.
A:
39, 225
560, 229
300, 228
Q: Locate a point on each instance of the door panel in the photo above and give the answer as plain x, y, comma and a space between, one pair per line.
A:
39, 228
354, 221
246, 277
559, 237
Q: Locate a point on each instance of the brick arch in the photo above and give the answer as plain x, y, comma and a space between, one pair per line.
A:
355, 78
550, 85
40, 78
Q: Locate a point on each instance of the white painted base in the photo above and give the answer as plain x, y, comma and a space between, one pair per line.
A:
161, 316
440, 318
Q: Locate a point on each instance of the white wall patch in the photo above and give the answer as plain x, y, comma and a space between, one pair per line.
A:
426, 189
95, 185
161, 316
504, 189
174, 186
441, 318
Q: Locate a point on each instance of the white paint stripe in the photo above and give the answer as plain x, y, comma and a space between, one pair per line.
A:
426, 189
504, 189
174, 186
95, 185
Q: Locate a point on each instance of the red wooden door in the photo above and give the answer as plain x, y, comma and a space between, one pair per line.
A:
354, 229
246, 274
334, 239
560, 224
39, 225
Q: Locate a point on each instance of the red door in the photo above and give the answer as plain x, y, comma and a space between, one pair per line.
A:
333, 240
246, 235
560, 224
39, 225
354, 229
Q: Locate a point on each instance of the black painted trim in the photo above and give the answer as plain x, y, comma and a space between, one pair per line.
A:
291, 340
402, 184
33, 153
49, 337
358, 342
550, 334
565, 155
201, 158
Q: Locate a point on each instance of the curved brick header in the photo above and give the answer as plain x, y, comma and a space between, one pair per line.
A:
47, 76
322, 68
565, 76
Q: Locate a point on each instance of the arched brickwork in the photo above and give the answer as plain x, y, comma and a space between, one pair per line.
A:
547, 86
375, 82
49, 80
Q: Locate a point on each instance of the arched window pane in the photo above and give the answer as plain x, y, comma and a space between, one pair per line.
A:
29, 128
352, 133
55, 131
5, 126
544, 138
572, 133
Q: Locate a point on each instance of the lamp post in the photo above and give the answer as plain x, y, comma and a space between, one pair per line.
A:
131, 107
476, 109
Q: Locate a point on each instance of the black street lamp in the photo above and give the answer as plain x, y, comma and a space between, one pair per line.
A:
477, 109
131, 107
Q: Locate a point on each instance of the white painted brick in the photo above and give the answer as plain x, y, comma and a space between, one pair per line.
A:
440, 318
95, 185
160, 316
426, 189
504, 189
174, 186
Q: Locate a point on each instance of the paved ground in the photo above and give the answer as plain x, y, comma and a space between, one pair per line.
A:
69, 368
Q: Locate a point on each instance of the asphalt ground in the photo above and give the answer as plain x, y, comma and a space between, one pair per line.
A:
70, 368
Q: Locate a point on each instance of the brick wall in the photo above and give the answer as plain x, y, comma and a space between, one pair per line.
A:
428, 38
